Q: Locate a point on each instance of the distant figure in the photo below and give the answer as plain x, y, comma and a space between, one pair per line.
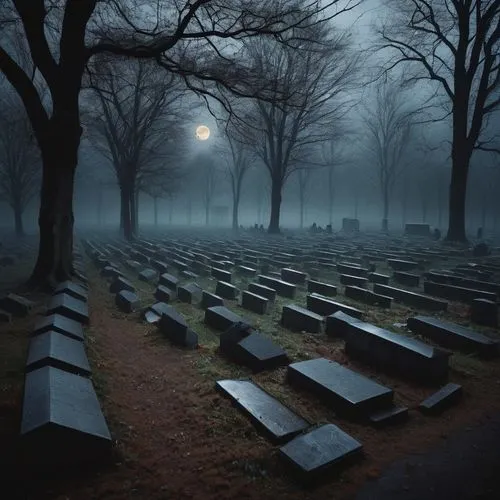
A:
314, 228
320, 229
261, 228
329, 229
479, 233
437, 234
256, 227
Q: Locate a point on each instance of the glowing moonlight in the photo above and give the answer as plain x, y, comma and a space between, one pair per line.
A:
202, 132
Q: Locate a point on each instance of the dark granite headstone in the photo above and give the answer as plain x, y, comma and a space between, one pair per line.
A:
127, 301
254, 302
148, 275
61, 324
293, 276
169, 281
324, 289
221, 318
119, 284
164, 294
263, 291
407, 279
441, 400
347, 279
68, 306
484, 312
55, 349
210, 300
226, 290
313, 455
173, 325
347, 392
278, 422
61, 413
411, 298
5, 317
298, 319
221, 275
153, 313
189, 293
72, 289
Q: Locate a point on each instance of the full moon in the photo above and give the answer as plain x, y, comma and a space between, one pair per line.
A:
202, 132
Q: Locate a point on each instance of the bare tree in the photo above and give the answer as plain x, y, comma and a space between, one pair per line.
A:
389, 125
455, 44
317, 78
137, 128
19, 159
188, 37
303, 183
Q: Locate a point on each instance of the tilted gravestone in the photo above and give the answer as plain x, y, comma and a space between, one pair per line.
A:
61, 324
173, 325
56, 350
441, 400
62, 421
275, 420
221, 318
126, 301
70, 307
153, 313
312, 455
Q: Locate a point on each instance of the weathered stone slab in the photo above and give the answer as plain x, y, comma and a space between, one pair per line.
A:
346, 279
347, 392
325, 306
247, 271
453, 279
263, 291
454, 336
210, 300
298, 319
378, 278
246, 346
61, 413
254, 302
148, 275
72, 289
348, 270
390, 416
221, 318
153, 313
411, 298
160, 266
61, 324
324, 289
458, 293
391, 351
55, 349
313, 455
367, 296
335, 322
111, 272
68, 306
402, 265
164, 294
441, 400
16, 305
293, 276
221, 275
189, 293
484, 312
173, 325
127, 301
282, 288
119, 284
274, 419
169, 281
226, 290
407, 279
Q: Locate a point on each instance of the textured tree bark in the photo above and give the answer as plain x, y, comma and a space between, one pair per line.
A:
18, 220
274, 222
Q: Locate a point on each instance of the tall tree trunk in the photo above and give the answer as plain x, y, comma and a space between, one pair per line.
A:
18, 220
236, 202
302, 205
330, 196
189, 213
458, 193
134, 209
385, 219
274, 221
170, 211
155, 204
207, 214
126, 211
99, 206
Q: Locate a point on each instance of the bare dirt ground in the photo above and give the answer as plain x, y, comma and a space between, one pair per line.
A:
176, 438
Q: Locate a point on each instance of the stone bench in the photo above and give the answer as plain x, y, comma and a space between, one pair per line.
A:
324, 289
454, 336
298, 319
282, 288
221, 318
324, 306
457, 293
411, 299
263, 291
391, 351
349, 393
253, 302
367, 296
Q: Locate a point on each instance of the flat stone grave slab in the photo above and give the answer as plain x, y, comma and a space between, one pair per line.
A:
313, 455
454, 336
61, 413
407, 279
263, 291
283, 288
119, 284
210, 300
441, 400
226, 290
148, 275
457, 293
324, 289
72, 289
127, 302
169, 280
452, 279
153, 313
55, 349
411, 298
16, 305
244, 345
391, 351
254, 302
391, 416
68, 306
402, 265
325, 306
349, 393
293, 276
484, 312
189, 293
164, 294
298, 319
277, 422
221, 318
61, 324
173, 325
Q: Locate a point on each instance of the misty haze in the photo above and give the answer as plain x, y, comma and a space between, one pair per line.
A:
250, 249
